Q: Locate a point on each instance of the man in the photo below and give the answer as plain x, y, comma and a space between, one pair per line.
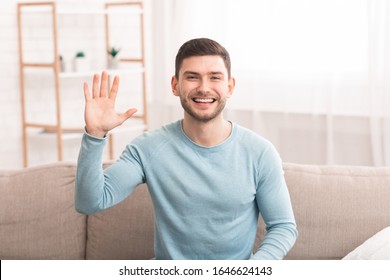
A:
208, 178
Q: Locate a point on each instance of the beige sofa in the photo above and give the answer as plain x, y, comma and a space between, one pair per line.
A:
337, 208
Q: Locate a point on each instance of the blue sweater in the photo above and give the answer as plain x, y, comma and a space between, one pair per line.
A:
206, 199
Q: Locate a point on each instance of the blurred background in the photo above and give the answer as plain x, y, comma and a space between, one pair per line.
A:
312, 76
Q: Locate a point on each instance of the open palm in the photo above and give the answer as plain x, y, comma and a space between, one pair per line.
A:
100, 116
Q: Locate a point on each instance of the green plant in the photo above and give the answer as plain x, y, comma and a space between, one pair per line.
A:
113, 51
80, 54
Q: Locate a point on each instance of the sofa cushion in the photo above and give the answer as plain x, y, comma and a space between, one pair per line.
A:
336, 207
124, 231
38, 219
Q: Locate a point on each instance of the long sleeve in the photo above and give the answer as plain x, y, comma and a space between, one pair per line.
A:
275, 207
98, 189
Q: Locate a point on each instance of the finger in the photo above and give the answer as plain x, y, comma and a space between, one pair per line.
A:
126, 115
114, 88
103, 85
87, 94
95, 86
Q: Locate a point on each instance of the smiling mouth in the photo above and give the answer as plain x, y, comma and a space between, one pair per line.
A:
204, 100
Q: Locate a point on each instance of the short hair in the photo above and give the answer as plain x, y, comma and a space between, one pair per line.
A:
200, 47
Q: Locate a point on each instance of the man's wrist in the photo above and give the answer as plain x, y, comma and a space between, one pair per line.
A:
97, 134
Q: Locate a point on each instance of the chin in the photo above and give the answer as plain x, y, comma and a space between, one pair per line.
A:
204, 117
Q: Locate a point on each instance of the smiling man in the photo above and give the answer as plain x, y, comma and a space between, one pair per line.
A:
209, 178
203, 83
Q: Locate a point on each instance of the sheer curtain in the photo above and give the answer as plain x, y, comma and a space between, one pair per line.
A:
312, 76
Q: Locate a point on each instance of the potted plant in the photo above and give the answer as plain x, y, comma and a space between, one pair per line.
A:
80, 62
113, 62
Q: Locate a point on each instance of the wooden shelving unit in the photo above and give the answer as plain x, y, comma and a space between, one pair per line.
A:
62, 133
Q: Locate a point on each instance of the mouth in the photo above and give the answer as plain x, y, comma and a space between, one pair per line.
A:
203, 100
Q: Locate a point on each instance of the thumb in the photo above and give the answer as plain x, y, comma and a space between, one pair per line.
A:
126, 115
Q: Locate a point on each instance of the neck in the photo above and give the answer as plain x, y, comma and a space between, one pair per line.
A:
209, 133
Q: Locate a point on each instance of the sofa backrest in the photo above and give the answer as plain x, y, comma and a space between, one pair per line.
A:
336, 208
37, 216
124, 231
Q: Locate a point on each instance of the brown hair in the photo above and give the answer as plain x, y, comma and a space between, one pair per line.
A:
200, 47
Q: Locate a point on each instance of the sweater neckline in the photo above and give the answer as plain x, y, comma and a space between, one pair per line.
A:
217, 147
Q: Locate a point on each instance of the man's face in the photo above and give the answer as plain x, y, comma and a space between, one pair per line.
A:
203, 86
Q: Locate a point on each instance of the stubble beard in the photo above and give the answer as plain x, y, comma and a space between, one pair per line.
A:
185, 103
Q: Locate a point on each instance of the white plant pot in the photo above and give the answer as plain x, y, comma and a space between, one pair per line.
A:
62, 66
113, 63
81, 64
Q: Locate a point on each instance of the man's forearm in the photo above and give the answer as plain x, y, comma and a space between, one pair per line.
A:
89, 178
277, 242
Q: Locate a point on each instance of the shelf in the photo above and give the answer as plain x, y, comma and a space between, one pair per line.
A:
48, 135
39, 65
58, 130
100, 12
33, 68
66, 136
43, 8
134, 124
139, 70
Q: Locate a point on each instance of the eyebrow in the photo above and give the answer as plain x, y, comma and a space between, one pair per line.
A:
209, 73
190, 73
216, 73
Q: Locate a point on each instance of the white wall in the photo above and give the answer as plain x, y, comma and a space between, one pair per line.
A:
10, 120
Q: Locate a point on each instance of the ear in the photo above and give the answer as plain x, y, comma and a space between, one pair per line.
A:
231, 85
174, 85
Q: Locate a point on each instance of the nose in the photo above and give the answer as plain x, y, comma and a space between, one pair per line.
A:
204, 86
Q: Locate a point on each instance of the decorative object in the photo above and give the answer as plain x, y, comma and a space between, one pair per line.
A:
62, 64
113, 62
80, 62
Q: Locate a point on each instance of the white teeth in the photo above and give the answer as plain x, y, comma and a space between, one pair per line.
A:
203, 100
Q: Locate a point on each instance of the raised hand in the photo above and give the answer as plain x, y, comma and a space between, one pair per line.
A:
100, 116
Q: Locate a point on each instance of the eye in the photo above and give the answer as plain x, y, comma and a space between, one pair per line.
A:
191, 77
216, 78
